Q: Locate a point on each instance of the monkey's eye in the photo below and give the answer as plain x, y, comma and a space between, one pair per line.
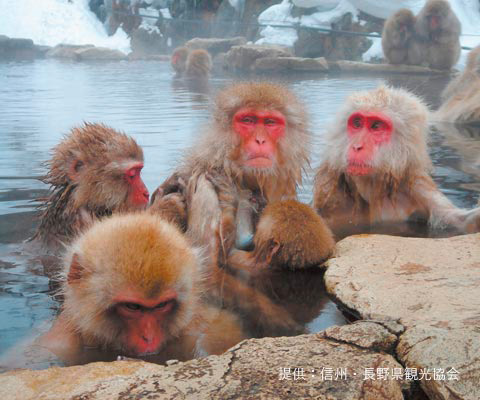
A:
357, 122
377, 125
163, 304
270, 121
132, 306
248, 120
131, 173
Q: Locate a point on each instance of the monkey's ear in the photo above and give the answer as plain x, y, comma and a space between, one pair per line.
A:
272, 249
74, 169
76, 270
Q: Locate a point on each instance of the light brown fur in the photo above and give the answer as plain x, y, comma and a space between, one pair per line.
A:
462, 95
145, 255
198, 64
396, 35
439, 48
401, 185
86, 176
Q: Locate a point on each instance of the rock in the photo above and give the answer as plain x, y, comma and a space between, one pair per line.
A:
288, 367
431, 286
367, 335
17, 49
147, 41
41, 51
291, 64
66, 51
243, 57
99, 54
355, 66
215, 45
431, 348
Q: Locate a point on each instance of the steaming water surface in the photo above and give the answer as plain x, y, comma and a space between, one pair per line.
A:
42, 100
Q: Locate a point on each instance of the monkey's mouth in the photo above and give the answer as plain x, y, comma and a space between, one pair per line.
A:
259, 162
358, 168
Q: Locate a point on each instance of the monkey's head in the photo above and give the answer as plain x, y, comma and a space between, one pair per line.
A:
262, 128
436, 13
179, 59
130, 283
405, 21
379, 132
103, 166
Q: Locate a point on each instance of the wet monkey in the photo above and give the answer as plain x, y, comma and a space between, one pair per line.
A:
396, 35
132, 286
199, 64
94, 171
257, 142
377, 168
437, 33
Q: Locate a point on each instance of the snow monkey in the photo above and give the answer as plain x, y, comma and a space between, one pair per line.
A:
257, 142
437, 36
462, 96
396, 35
94, 172
178, 61
376, 168
132, 286
191, 63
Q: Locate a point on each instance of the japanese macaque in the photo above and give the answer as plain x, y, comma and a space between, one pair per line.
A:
257, 143
376, 168
199, 64
437, 33
396, 35
178, 61
94, 172
132, 286
461, 98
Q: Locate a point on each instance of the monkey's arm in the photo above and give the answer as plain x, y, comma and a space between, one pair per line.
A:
442, 212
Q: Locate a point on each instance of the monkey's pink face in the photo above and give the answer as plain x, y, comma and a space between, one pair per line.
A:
259, 131
138, 192
367, 132
145, 321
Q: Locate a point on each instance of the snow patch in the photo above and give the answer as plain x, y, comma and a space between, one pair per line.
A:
51, 22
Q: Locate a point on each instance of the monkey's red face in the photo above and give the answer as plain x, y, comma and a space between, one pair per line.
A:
367, 131
138, 192
259, 131
145, 321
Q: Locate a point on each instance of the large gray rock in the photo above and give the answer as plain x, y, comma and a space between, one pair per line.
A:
432, 287
99, 54
146, 42
17, 49
215, 45
285, 64
66, 51
362, 67
244, 57
286, 368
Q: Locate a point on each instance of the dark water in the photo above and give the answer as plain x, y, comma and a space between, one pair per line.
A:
42, 100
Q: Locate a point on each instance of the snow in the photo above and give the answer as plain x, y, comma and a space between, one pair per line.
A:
50, 22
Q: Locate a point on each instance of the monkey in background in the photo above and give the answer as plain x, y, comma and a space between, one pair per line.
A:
133, 287
191, 63
376, 168
94, 172
396, 35
461, 98
437, 36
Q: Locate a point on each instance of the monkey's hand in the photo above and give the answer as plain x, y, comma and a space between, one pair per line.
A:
174, 184
172, 207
